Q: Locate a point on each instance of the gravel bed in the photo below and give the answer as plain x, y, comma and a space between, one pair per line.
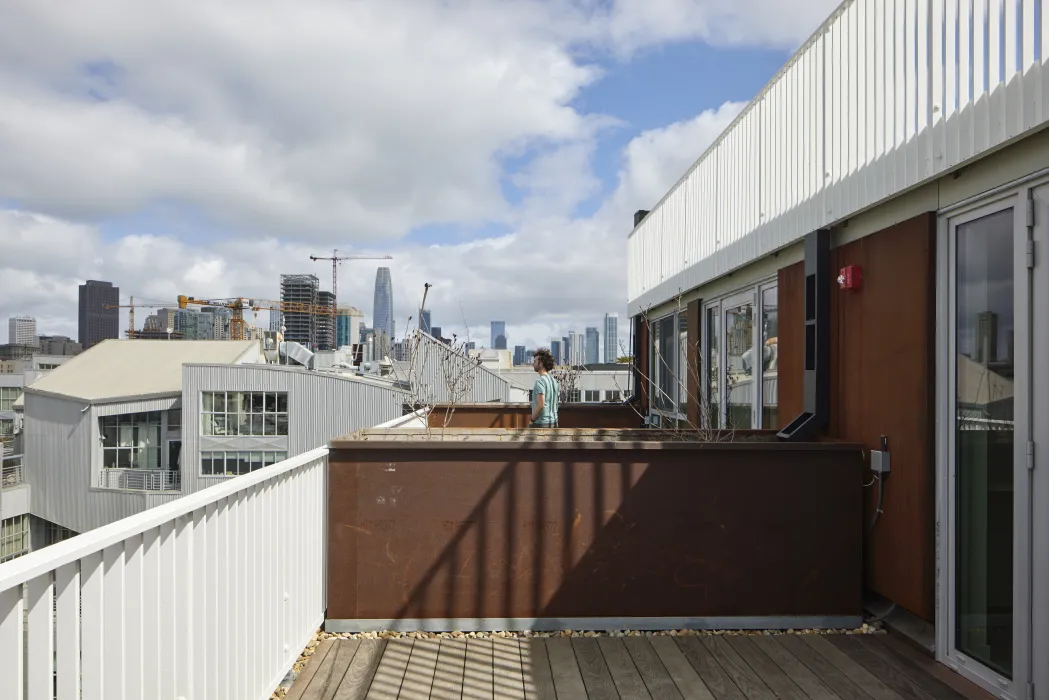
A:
389, 634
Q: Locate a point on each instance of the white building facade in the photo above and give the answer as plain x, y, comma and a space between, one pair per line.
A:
21, 330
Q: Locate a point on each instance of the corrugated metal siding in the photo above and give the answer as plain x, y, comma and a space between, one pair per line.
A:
872, 105
443, 376
320, 407
61, 440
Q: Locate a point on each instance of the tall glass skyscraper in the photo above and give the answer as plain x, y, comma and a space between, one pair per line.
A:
611, 337
382, 308
424, 322
499, 335
593, 346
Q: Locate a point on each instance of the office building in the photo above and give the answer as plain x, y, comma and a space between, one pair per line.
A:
592, 346
557, 351
299, 289
611, 338
498, 335
519, 355
22, 330
58, 345
382, 306
424, 321
348, 322
96, 322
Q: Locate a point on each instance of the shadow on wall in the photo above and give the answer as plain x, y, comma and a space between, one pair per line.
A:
497, 532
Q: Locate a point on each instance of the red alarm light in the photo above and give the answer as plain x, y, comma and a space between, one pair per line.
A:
850, 277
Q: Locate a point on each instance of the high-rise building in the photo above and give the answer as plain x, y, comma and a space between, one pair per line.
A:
424, 322
324, 325
299, 289
593, 346
348, 322
519, 355
97, 323
22, 330
498, 335
435, 331
556, 351
575, 349
382, 310
611, 338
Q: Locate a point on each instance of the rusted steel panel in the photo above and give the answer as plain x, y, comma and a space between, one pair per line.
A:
884, 329
519, 416
556, 531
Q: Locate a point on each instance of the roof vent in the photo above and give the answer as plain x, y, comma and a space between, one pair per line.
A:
639, 216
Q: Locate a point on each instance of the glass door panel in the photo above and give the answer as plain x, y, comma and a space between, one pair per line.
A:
984, 439
741, 365
770, 358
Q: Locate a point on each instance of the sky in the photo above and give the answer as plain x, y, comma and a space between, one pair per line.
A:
496, 149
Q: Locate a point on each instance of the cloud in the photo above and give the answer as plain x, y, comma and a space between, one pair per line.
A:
292, 127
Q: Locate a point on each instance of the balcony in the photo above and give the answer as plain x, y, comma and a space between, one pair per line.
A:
215, 595
140, 479
11, 471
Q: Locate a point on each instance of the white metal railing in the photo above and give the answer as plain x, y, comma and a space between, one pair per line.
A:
210, 596
11, 471
141, 479
887, 94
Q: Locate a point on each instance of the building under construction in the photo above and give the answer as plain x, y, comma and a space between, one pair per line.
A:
324, 326
300, 289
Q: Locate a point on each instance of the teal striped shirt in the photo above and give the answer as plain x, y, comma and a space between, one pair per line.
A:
546, 385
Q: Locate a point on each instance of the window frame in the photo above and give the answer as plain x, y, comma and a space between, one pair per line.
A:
676, 317
255, 421
237, 457
754, 293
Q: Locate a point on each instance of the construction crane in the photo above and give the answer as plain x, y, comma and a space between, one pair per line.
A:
131, 313
239, 304
335, 260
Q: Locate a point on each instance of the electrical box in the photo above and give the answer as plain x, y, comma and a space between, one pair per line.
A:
880, 461
850, 277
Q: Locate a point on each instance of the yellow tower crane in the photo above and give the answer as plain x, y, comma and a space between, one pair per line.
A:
239, 304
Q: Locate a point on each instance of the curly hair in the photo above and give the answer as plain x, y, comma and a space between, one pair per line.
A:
546, 358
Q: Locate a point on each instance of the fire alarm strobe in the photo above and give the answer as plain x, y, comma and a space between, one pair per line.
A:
850, 277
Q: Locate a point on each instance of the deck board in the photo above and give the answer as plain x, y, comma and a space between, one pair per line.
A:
688, 667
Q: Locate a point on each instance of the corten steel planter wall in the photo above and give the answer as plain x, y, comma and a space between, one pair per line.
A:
511, 530
515, 415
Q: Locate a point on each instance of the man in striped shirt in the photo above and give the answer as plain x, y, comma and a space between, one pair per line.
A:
545, 392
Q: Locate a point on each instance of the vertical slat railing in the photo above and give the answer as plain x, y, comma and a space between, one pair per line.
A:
900, 91
210, 596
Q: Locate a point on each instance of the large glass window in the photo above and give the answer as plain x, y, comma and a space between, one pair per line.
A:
244, 413
739, 364
664, 372
770, 357
14, 537
713, 368
131, 441
230, 463
984, 440
8, 396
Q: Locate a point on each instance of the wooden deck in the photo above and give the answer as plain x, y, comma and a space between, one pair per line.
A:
711, 667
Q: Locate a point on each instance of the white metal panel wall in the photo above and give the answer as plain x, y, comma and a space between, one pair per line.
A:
440, 376
886, 95
321, 407
61, 440
212, 596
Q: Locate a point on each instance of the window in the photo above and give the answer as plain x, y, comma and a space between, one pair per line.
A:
8, 396
770, 357
591, 396
7, 427
741, 354
612, 395
244, 413
51, 366
684, 371
664, 363
175, 419
14, 537
713, 369
572, 396
131, 441
230, 463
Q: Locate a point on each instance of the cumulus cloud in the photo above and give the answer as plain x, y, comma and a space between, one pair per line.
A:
295, 127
